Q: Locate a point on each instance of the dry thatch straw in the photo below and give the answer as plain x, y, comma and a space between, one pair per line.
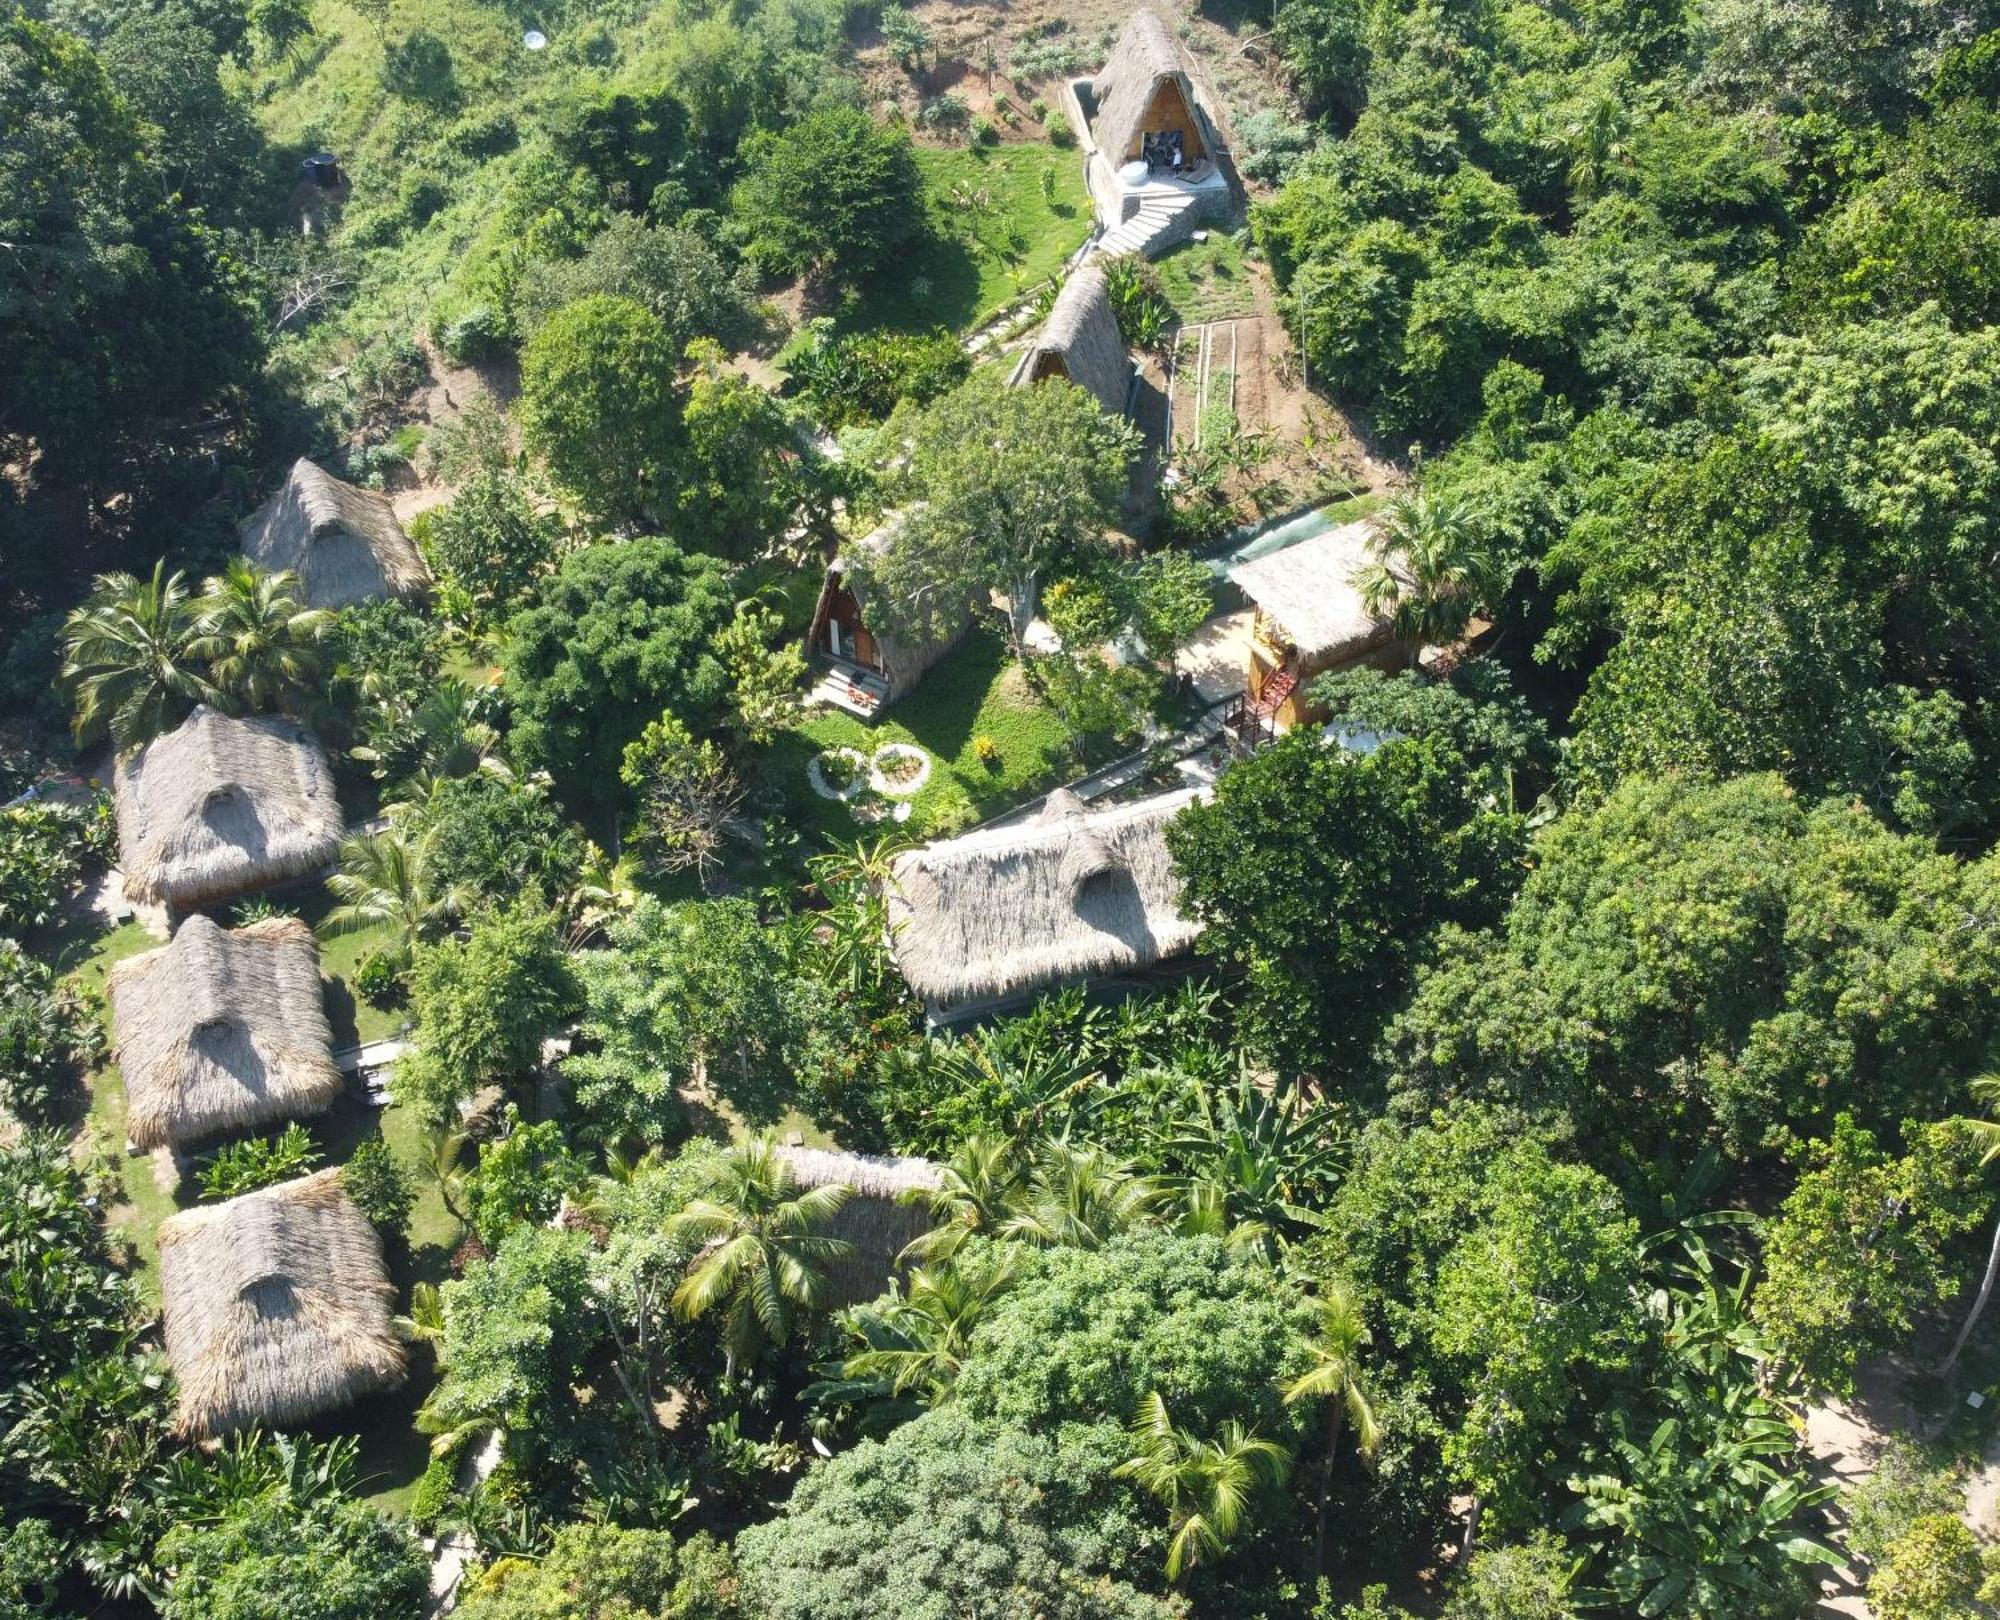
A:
1080, 341
872, 1220
277, 1307
1307, 591
222, 805
1145, 87
1073, 894
222, 1031
344, 543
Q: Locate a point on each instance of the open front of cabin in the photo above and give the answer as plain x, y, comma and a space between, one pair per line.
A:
1310, 619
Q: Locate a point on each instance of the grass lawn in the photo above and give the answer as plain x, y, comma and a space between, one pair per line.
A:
1002, 237
976, 692
1208, 281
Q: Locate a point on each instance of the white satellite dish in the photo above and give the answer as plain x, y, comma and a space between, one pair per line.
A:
535, 40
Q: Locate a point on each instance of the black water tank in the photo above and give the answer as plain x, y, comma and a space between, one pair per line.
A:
323, 170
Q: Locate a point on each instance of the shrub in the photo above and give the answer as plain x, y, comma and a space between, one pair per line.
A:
433, 1492
1056, 127
379, 1186
480, 333
948, 111
43, 851
421, 196
1932, 1572
380, 981
983, 132
258, 1161
986, 751
482, 135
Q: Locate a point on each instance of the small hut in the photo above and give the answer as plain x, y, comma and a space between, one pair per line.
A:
222, 1030
1146, 98
866, 669
344, 543
1080, 342
984, 920
874, 1219
223, 805
1310, 618
276, 1307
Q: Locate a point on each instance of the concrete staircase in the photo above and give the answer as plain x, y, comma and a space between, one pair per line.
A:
1165, 219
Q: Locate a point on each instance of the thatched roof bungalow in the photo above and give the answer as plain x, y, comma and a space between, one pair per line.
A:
221, 1031
876, 667
986, 919
1310, 618
223, 805
1080, 342
874, 1219
344, 543
1145, 89
276, 1307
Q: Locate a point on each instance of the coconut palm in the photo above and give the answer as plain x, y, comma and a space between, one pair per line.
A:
384, 880
1206, 1485
128, 659
1433, 570
915, 1343
1081, 1198
262, 644
1596, 144
1335, 1377
975, 1192
1986, 1132
438, 737
764, 1258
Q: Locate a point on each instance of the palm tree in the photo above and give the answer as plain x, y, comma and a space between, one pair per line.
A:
128, 659
1596, 145
1335, 1377
440, 737
915, 1344
763, 1258
1081, 1198
261, 643
1433, 569
1205, 1484
1986, 1132
384, 879
975, 1193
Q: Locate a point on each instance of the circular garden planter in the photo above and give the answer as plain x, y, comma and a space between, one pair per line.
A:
899, 770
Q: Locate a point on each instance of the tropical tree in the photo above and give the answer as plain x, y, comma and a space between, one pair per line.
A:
1206, 1485
1986, 1133
129, 661
764, 1259
261, 643
1434, 568
914, 1341
1335, 1377
435, 734
974, 1194
385, 880
1258, 1158
1081, 1198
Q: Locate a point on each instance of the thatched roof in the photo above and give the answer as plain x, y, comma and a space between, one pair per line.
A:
276, 1306
1145, 55
873, 1219
1075, 893
1308, 592
1080, 341
903, 662
344, 543
222, 805
222, 1031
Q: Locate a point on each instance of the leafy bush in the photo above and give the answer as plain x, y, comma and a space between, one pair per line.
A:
47, 1035
1138, 300
949, 111
381, 981
1269, 146
863, 376
1056, 127
433, 1491
378, 1185
258, 1161
421, 196
1043, 59
983, 132
43, 851
480, 333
